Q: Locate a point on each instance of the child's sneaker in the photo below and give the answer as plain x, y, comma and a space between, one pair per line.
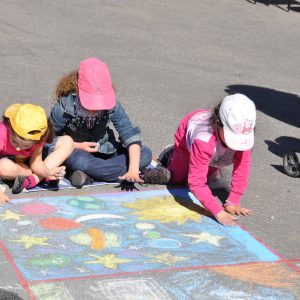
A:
165, 155
52, 183
21, 183
18, 186
78, 179
157, 175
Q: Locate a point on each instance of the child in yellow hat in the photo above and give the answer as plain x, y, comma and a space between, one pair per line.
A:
23, 132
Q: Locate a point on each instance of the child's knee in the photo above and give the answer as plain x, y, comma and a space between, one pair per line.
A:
9, 168
146, 157
112, 173
65, 142
79, 160
178, 177
178, 180
5, 165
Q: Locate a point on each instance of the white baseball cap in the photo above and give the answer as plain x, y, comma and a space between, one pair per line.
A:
238, 115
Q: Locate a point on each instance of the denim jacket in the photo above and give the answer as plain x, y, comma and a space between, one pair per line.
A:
62, 117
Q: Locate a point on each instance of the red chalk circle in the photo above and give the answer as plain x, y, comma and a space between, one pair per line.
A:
59, 224
36, 209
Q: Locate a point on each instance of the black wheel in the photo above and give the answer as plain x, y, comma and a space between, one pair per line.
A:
291, 164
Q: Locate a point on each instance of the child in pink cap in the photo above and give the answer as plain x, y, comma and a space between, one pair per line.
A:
88, 111
207, 141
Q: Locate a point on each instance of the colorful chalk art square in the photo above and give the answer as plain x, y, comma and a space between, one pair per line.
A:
114, 233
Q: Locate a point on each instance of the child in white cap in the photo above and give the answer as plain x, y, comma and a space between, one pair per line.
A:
207, 141
23, 132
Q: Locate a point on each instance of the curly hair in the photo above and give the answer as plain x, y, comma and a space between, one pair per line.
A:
67, 84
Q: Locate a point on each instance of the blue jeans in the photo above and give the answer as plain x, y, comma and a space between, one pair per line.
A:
103, 167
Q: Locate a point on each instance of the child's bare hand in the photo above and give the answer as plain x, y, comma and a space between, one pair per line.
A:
3, 198
237, 210
225, 218
57, 173
131, 177
89, 146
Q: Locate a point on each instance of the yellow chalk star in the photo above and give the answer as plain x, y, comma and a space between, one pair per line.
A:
163, 209
109, 261
205, 237
30, 241
167, 258
9, 215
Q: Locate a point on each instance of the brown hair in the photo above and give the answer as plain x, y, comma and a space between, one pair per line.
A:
49, 134
216, 116
68, 84
46, 137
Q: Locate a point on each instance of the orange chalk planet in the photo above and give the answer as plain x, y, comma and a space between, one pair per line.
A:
59, 224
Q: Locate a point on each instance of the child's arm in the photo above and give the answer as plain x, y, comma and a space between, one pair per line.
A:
235, 209
240, 175
131, 138
39, 168
200, 155
132, 174
239, 183
128, 134
57, 115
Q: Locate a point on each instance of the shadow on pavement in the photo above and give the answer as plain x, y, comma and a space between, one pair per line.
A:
282, 4
282, 106
220, 193
182, 200
7, 295
127, 186
281, 146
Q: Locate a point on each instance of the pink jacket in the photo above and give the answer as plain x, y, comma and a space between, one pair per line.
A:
198, 141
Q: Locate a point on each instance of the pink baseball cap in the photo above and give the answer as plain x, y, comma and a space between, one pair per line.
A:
95, 86
238, 115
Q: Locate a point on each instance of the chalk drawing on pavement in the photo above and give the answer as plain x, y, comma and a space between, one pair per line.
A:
128, 232
53, 291
249, 281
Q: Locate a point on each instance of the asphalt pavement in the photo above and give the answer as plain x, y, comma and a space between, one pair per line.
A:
168, 58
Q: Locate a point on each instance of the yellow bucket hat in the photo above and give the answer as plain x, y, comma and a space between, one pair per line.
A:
27, 120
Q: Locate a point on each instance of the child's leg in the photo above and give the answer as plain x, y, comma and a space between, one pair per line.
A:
97, 168
105, 169
20, 172
63, 147
146, 157
10, 169
179, 166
